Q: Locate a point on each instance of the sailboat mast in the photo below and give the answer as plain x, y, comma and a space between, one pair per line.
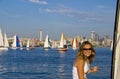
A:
115, 40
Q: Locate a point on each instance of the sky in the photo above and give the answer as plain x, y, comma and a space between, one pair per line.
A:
25, 18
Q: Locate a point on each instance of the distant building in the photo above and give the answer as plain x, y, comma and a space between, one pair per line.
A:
93, 35
41, 34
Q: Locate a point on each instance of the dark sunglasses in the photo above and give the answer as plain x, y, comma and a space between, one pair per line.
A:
87, 48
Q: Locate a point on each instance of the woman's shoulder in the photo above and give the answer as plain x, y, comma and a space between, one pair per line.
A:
78, 61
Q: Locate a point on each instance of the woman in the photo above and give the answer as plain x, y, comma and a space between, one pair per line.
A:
85, 57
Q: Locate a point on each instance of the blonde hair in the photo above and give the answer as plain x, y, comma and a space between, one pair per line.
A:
80, 51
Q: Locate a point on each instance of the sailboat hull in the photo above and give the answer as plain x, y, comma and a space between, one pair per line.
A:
3, 48
62, 49
14, 48
47, 48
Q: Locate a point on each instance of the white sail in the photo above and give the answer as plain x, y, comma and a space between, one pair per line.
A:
21, 45
33, 46
54, 44
47, 42
3, 42
16, 42
62, 41
1, 39
6, 44
111, 46
63, 44
75, 44
28, 43
116, 46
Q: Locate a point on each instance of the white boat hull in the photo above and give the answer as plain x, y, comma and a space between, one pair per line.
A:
3, 48
62, 50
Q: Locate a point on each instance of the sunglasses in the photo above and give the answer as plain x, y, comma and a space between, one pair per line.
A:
87, 48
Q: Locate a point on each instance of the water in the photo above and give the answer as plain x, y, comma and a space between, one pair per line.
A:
41, 64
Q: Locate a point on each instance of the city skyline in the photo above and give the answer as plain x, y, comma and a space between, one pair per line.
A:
26, 17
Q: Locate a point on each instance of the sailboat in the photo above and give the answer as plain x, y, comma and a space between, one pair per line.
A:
63, 44
33, 46
47, 44
21, 45
28, 45
54, 44
115, 68
75, 43
3, 41
16, 42
6, 44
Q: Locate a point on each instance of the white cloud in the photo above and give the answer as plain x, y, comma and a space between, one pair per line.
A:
39, 1
101, 6
73, 13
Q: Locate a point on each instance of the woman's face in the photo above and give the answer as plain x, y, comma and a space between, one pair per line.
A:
87, 50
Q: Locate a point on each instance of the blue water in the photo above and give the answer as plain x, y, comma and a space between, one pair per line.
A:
41, 64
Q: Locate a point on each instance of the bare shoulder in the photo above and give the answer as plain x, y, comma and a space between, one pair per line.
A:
79, 61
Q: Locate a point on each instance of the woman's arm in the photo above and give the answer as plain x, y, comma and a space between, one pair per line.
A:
94, 69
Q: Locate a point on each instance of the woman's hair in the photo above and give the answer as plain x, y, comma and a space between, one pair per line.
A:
80, 51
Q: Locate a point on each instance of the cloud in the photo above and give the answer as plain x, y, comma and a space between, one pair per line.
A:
101, 6
39, 2
72, 13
